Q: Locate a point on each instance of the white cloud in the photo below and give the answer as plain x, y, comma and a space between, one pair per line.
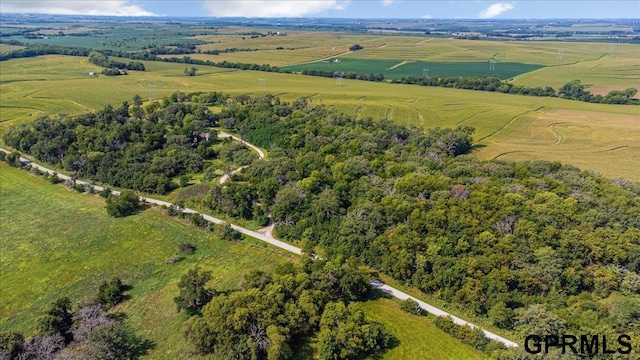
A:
495, 10
71, 7
427, 17
272, 8
388, 2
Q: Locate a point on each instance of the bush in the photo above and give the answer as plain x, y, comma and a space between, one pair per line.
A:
173, 210
54, 179
468, 335
226, 232
105, 192
110, 293
124, 204
198, 220
186, 248
411, 307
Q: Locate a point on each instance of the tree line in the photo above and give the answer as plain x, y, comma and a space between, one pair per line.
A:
573, 90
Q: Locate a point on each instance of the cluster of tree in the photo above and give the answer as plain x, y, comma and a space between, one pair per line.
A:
572, 90
178, 49
125, 204
272, 313
190, 72
87, 333
134, 147
114, 67
492, 237
349, 75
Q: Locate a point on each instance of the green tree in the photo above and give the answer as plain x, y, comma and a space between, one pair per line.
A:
344, 333
110, 293
124, 204
58, 319
193, 293
11, 345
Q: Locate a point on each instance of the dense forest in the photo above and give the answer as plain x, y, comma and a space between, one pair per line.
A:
535, 248
132, 146
519, 243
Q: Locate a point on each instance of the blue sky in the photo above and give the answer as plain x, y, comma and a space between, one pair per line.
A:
469, 9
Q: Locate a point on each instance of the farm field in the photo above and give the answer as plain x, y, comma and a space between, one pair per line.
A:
28, 94
397, 69
575, 137
73, 229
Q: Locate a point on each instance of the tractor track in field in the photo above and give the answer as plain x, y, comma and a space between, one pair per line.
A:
614, 149
358, 111
557, 133
507, 153
472, 117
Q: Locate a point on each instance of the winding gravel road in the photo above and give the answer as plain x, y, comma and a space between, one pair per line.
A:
283, 245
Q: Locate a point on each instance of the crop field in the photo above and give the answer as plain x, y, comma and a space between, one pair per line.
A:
610, 140
57, 242
32, 87
397, 69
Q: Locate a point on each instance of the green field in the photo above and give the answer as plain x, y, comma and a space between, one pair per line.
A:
56, 242
418, 337
397, 69
32, 88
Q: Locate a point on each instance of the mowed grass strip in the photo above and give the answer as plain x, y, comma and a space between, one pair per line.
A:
56, 242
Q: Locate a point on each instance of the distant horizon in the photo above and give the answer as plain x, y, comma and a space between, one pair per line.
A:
157, 17
335, 9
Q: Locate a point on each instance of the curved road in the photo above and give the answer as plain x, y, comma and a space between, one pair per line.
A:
282, 245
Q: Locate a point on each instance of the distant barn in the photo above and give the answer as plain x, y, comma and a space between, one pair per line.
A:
92, 73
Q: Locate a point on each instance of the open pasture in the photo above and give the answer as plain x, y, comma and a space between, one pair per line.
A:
57, 243
489, 113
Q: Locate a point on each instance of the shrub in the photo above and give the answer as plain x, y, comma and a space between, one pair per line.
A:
186, 248
110, 293
226, 232
411, 307
124, 204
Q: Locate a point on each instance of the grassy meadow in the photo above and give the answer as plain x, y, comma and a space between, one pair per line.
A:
57, 242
